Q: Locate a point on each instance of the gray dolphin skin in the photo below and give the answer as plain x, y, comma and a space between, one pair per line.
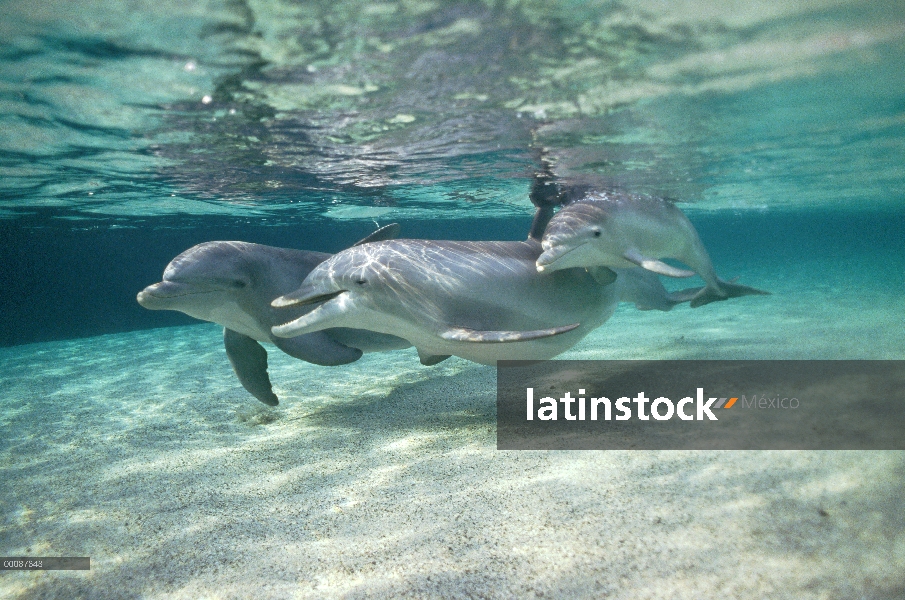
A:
623, 230
482, 301
233, 284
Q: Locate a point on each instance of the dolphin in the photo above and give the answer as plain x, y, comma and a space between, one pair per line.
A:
482, 301
233, 284
624, 230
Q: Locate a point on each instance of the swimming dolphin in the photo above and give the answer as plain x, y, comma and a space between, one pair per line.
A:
233, 284
622, 230
482, 301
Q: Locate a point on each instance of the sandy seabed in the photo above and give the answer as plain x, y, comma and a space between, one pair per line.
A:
382, 478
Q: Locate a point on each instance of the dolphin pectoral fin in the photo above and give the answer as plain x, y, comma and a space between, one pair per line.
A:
661, 268
656, 266
602, 275
429, 360
387, 232
318, 348
249, 361
461, 334
726, 290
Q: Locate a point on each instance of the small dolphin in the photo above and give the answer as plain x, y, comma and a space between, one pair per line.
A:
621, 230
233, 284
482, 301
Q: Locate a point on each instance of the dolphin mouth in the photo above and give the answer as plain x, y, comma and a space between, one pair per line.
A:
322, 317
304, 300
171, 289
166, 290
548, 257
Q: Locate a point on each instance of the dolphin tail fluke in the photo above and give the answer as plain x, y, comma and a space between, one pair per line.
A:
461, 334
249, 361
726, 290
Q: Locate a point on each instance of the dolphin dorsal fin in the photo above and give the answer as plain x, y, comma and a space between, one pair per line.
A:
387, 232
461, 334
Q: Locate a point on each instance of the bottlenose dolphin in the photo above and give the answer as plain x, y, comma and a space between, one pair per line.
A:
233, 284
623, 230
482, 301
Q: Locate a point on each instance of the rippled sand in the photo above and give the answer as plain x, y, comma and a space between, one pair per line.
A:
382, 478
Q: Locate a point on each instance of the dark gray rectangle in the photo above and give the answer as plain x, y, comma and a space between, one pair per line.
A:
45, 563
778, 405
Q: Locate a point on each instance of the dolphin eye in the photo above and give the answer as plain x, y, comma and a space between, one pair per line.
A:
596, 233
238, 284
361, 282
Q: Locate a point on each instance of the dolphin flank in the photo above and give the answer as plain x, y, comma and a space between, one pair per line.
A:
482, 301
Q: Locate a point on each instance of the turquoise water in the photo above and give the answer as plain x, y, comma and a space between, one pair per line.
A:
132, 131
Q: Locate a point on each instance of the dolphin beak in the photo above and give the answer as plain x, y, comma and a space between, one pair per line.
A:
322, 317
144, 298
551, 255
154, 297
